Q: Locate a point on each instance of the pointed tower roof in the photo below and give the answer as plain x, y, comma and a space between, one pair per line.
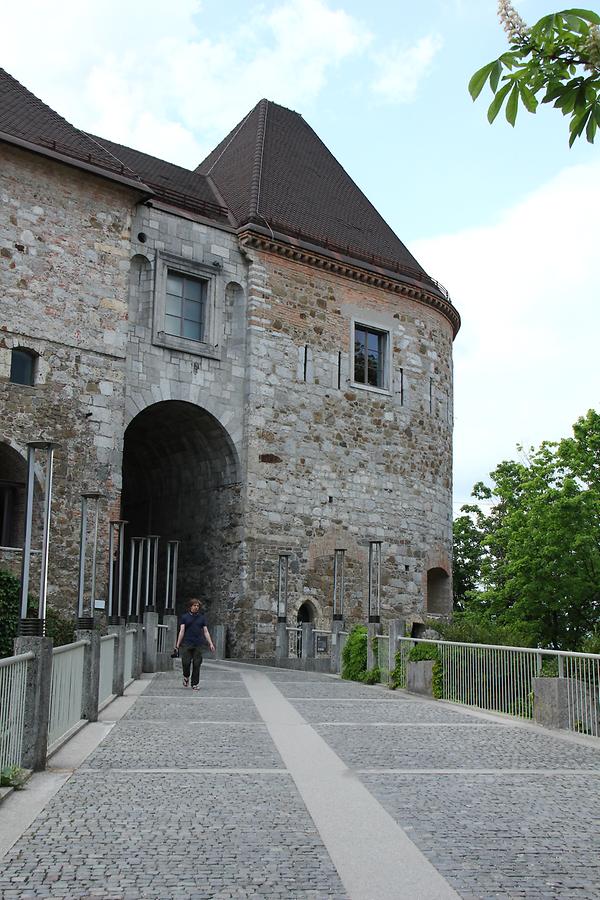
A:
273, 170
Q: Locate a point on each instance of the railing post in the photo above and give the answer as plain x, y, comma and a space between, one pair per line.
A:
170, 620
220, 638
150, 636
373, 629
308, 640
37, 700
396, 631
91, 673
282, 648
336, 645
119, 665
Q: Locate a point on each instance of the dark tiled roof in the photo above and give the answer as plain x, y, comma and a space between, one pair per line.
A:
273, 170
173, 184
23, 116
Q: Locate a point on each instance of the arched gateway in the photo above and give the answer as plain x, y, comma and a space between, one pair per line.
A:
181, 482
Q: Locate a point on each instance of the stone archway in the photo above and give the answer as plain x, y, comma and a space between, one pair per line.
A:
306, 613
181, 482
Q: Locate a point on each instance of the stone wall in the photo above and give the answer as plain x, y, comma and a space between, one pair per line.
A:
333, 465
64, 262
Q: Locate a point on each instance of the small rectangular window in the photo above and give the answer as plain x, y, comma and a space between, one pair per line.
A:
22, 367
338, 584
185, 307
282, 587
370, 351
374, 580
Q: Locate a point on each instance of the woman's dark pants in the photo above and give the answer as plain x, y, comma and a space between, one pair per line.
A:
191, 656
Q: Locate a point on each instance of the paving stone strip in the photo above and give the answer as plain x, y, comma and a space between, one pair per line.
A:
305, 786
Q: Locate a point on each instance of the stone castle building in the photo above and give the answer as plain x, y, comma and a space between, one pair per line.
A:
243, 358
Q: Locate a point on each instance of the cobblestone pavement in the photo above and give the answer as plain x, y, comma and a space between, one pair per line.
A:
188, 797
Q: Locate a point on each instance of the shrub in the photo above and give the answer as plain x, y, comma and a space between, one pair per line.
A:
10, 591
58, 627
430, 651
354, 654
371, 676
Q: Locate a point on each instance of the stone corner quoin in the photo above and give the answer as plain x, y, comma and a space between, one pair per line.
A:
275, 398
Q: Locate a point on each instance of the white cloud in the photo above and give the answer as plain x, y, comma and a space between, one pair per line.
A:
402, 69
526, 358
151, 77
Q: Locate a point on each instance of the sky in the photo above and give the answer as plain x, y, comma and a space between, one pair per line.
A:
507, 219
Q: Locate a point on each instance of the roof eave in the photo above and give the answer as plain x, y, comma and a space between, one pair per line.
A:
76, 163
417, 287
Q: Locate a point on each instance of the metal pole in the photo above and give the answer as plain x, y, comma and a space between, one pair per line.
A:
147, 540
121, 531
168, 578
140, 560
26, 561
46, 538
174, 575
153, 545
111, 551
82, 549
131, 574
96, 498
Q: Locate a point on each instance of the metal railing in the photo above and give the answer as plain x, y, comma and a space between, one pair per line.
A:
107, 666
66, 691
13, 681
161, 638
383, 657
500, 679
130, 634
294, 641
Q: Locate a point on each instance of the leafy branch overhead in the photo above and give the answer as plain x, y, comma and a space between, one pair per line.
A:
556, 61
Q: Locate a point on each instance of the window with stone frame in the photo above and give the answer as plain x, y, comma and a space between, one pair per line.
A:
371, 348
22, 366
185, 306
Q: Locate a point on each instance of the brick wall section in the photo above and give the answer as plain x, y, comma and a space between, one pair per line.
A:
64, 261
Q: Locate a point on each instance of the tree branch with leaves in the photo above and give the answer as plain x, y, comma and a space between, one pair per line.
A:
556, 61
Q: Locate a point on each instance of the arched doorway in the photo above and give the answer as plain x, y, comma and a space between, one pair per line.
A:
439, 599
306, 613
181, 482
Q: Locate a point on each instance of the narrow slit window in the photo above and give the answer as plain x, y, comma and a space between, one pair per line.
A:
339, 371
305, 360
401, 387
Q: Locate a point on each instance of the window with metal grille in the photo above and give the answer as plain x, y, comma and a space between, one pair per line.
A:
185, 307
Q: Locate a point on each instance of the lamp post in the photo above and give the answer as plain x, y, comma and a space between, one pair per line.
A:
87, 622
36, 625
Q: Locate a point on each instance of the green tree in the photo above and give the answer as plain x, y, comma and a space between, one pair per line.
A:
539, 569
557, 61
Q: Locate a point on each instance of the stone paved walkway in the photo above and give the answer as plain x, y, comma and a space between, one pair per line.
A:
216, 795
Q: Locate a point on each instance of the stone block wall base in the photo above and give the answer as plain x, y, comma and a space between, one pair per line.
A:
419, 677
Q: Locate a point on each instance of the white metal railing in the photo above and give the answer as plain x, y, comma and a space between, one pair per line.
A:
500, 678
13, 681
294, 641
383, 657
161, 638
108, 644
130, 634
66, 690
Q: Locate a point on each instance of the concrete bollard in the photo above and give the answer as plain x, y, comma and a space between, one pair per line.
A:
170, 621
91, 673
397, 627
281, 642
37, 700
308, 640
150, 641
220, 641
118, 685
336, 646
373, 629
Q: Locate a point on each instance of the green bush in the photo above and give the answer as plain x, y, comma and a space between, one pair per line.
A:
354, 654
10, 591
371, 676
13, 776
430, 651
58, 627
398, 673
